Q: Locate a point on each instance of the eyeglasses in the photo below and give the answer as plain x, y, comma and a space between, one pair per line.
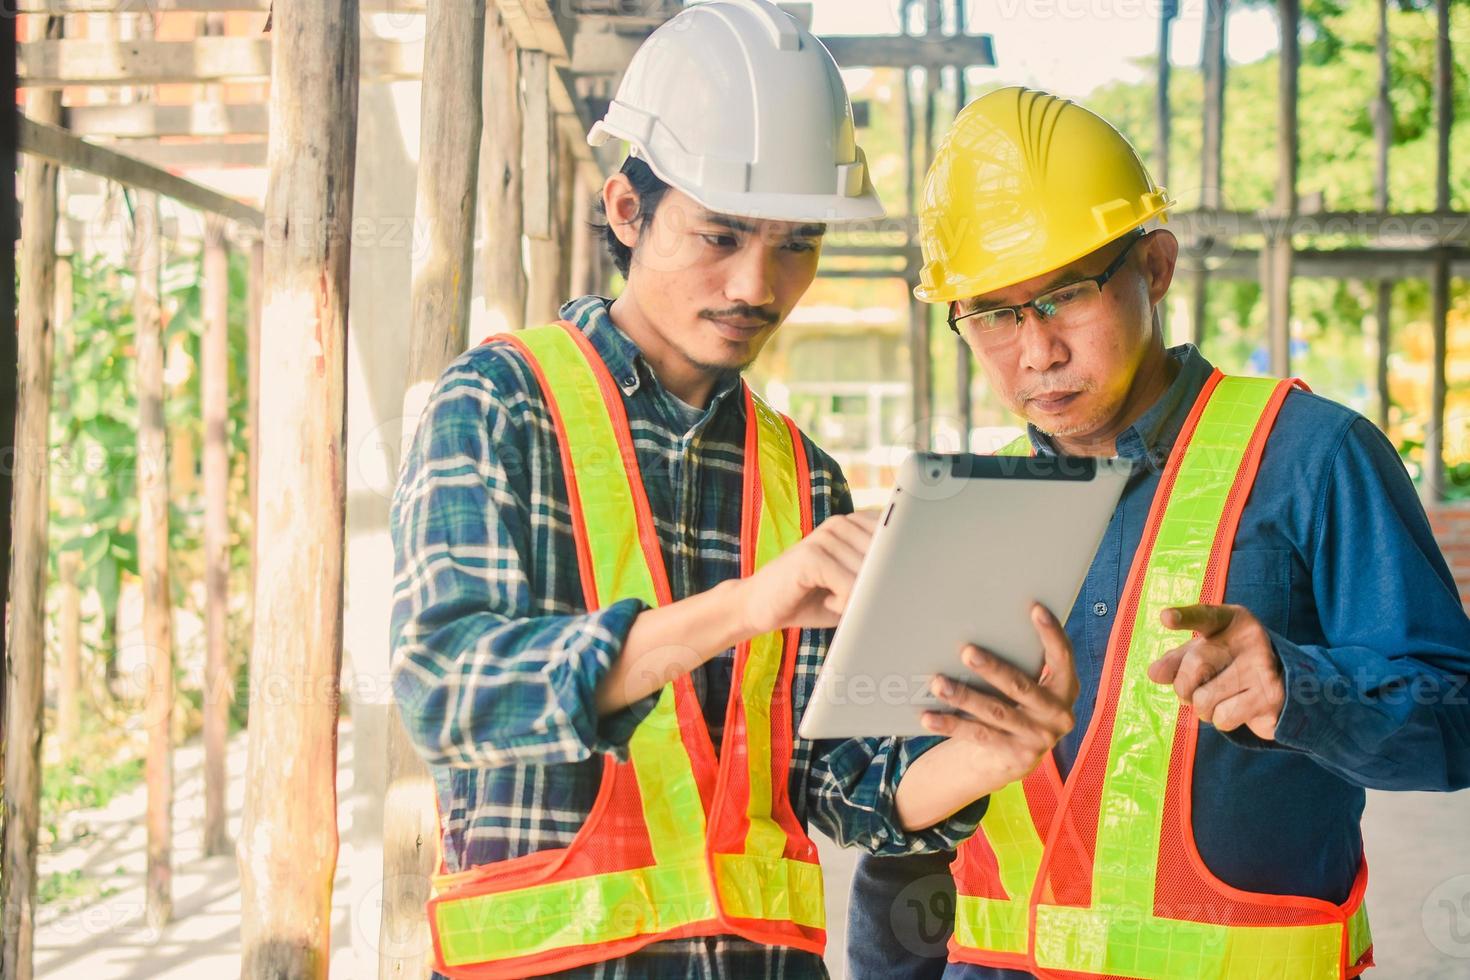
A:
1065, 305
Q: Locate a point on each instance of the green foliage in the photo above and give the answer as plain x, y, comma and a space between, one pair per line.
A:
82, 782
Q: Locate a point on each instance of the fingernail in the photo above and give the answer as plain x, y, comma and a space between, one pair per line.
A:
974, 658
943, 686
930, 721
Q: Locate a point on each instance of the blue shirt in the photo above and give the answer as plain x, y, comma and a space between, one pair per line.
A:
1335, 557
496, 657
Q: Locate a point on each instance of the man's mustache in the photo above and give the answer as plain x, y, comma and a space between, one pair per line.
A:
742, 313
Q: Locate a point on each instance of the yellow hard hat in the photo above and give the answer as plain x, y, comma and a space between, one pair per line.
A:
1023, 183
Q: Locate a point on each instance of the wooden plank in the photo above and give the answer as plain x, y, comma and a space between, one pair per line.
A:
48, 64
214, 373
202, 155
900, 51
25, 666
448, 173
153, 565
146, 120
191, 6
501, 182
289, 838
57, 145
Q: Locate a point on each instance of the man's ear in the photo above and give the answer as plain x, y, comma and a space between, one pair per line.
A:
1160, 255
623, 206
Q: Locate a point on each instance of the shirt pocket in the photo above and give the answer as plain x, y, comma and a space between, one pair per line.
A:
1260, 580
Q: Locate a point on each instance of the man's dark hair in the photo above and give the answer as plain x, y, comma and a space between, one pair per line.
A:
651, 190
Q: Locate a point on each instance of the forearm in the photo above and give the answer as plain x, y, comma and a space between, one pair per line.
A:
943, 781
667, 642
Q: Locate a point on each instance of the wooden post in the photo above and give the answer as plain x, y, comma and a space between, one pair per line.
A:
1383, 138
586, 250
256, 301
1167, 12
446, 202
9, 373
964, 366
288, 845
541, 192
26, 649
1278, 299
1213, 67
920, 366
448, 170
214, 383
501, 184
147, 255
1432, 487
68, 564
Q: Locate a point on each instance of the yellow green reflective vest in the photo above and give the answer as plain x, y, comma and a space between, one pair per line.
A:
680, 841
1099, 875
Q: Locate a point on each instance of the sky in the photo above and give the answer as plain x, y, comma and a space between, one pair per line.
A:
1068, 47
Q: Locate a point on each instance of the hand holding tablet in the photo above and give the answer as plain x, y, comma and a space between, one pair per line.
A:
967, 546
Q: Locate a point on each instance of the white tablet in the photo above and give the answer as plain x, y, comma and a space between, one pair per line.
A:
966, 545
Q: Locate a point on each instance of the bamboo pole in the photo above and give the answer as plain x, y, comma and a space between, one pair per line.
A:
288, 846
446, 203
1278, 294
921, 368
218, 684
9, 376
501, 179
26, 650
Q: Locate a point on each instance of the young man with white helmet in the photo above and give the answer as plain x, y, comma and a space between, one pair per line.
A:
1267, 629
612, 558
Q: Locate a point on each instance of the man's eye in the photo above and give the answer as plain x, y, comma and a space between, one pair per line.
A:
1061, 297
720, 241
801, 246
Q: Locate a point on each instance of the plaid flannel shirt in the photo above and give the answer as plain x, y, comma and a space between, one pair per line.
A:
495, 657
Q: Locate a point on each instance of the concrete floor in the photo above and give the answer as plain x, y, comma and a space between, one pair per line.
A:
1419, 896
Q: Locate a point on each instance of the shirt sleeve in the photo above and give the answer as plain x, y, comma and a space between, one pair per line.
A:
853, 786
479, 680
1384, 702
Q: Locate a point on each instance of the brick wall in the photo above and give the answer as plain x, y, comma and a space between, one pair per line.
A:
1451, 524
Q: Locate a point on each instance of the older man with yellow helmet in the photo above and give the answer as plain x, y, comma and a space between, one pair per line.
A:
1267, 629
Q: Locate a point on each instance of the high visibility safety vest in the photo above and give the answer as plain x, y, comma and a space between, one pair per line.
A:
679, 842
1099, 876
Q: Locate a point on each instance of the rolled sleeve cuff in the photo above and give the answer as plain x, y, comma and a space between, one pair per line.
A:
575, 681
869, 814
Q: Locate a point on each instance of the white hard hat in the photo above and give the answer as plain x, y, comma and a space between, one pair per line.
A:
740, 107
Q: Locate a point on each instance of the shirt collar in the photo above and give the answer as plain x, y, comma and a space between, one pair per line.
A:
1153, 435
624, 361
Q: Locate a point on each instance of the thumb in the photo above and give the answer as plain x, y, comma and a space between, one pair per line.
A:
1163, 670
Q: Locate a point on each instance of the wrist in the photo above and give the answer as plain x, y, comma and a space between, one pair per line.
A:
737, 619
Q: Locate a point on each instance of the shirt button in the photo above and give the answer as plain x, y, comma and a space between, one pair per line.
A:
1099, 608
